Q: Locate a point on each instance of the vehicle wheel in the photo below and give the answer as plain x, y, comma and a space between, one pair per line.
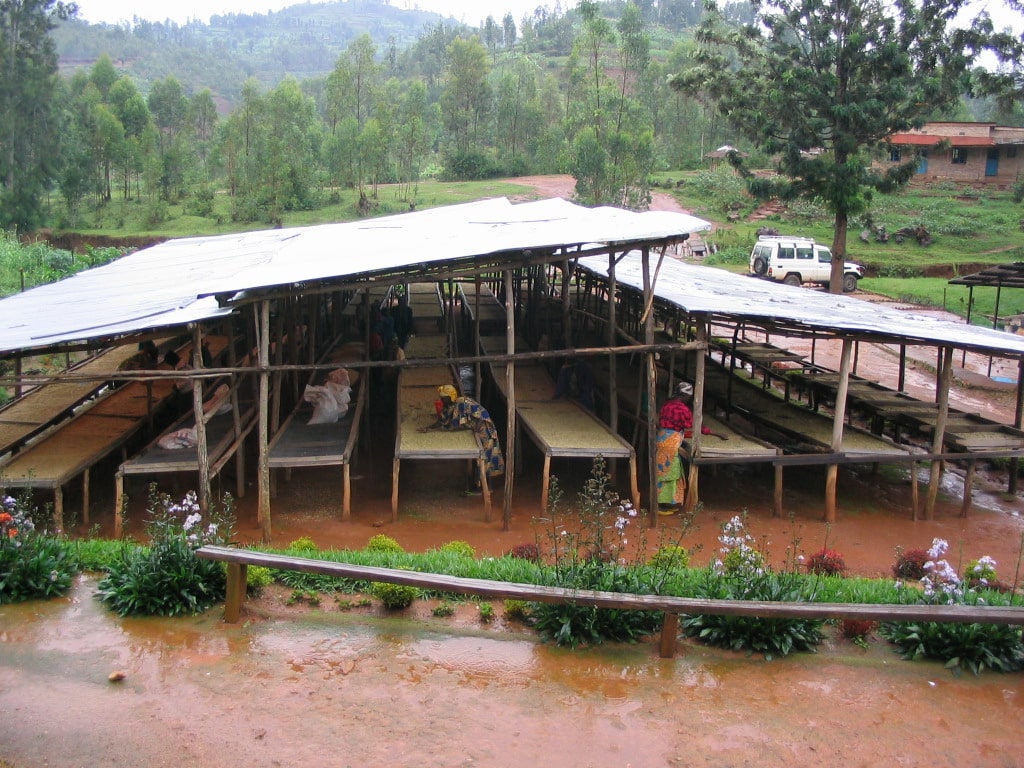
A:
793, 279
760, 266
849, 283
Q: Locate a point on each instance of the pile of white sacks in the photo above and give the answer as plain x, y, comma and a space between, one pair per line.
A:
331, 399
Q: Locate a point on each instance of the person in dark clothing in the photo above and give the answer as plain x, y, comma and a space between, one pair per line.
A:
576, 381
405, 325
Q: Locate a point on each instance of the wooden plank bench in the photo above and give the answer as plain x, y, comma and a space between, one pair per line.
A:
238, 561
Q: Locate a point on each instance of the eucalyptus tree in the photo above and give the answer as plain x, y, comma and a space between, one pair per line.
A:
29, 118
465, 99
508, 30
820, 84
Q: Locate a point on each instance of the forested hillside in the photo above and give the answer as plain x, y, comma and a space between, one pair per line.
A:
302, 41
249, 118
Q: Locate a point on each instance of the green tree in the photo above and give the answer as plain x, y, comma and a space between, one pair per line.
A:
29, 118
508, 30
820, 85
466, 95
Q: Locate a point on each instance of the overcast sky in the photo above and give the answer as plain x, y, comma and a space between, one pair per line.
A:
114, 11
470, 11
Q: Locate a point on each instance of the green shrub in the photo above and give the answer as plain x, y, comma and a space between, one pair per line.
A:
257, 578
32, 565
670, 557
592, 557
517, 609
166, 578
486, 613
771, 637
528, 551
461, 548
444, 608
394, 596
382, 543
303, 544
960, 646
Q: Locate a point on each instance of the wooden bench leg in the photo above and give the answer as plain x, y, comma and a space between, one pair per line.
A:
118, 505
346, 492
394, 491
237, 576
669, 634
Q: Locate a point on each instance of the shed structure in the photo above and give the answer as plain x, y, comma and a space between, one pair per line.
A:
281, 291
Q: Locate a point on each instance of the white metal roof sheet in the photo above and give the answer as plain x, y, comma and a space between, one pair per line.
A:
172, 283
718, 292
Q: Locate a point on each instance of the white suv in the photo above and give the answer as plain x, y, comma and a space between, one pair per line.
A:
798, 260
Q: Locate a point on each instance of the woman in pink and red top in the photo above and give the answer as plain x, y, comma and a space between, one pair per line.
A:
675, 422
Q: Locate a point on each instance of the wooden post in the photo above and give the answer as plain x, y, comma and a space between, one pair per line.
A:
613, 359
1018, 422
202, 446
652, 395
945, 376
263, 355
839, 417
669, 635
965, 504
510, 387
693, 480
238, 574
915, 493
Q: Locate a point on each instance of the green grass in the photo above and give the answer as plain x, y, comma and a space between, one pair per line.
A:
937, 292
129, 218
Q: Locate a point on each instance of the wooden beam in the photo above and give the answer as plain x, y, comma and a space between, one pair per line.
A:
944, 377
838, 422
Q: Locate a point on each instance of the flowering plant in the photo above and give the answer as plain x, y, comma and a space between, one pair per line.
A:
827, 562
738, 557
588, 550
166, 578
960, 644
32, 564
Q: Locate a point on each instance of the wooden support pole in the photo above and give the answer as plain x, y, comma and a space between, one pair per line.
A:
965, 504
262, 311
669, 635
238, 574
945, 376
693, 480
915, 492
510, 387
777, 497
202, 445
838, 419
652, 394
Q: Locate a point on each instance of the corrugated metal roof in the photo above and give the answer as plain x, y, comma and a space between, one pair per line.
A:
720, 293
174, 283
927, 140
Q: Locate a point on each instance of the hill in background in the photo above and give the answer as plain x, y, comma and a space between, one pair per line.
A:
302, 40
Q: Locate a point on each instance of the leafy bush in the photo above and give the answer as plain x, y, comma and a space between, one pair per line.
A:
394, 596
461, 548
733, 255
529, 552
980, 572
971, 646
591, 558
771, 637
32, 565
741, 574
669, 557
444, 608
517, 609
486, 612
909, 564
166, 578
857, 629
382, 543
257, 578
303, 544
827, 562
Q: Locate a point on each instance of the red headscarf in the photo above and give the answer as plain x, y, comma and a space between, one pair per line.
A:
675, 415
